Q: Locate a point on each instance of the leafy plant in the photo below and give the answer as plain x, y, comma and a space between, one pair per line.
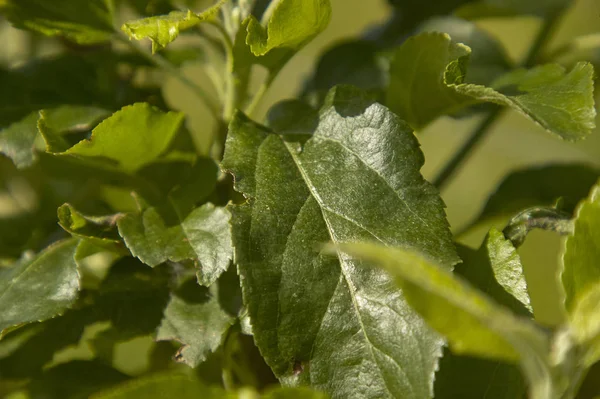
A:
297, 255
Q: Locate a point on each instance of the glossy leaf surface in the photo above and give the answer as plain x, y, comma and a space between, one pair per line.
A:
317, 318
427, 80
39, 288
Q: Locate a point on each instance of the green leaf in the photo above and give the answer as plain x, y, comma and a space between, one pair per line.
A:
73, 118
488, 59
203, 236
473, 324
496, 270
510, 8
85, 22
132, 137
538, 186
163, 29
317, 318
428, 80
293, 393
39, 288
194, 318
584, 322
163, 387
99, 230
18, 141
292, 24
582, 250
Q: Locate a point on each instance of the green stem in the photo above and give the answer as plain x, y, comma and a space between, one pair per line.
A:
260, 94
171, 70
465, 151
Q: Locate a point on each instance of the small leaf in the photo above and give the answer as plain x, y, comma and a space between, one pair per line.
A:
86, 22
428, 80
203, 236
194, 318
538, 186
473, 323
318, 319
584, 322
39, 288
582, 250
163, 29
132, 137
292, 24
18, 141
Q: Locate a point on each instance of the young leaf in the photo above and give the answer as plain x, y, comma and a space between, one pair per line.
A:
39, 288
194, 318
163, 29
585, 323
427, 80
203, 236
17, 141
132, 137
582, 250
85, 22
292, 24
473, 323
538, 186
316, 318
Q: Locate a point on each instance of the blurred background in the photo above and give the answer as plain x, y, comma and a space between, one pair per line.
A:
515, 142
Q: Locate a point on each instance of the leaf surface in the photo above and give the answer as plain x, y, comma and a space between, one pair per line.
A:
427, 80
582, 250
17, 141
86, 22
39, 288
163, 29
316, 318
194, 318
585, 323
99, 230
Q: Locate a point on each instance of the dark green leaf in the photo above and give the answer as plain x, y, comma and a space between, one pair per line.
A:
473, 324
292, 24
77, 379
41, 287
203, 236
195, 319
317, 318
538, 186
85, 22
293, 117
428, 80
582, 250
163, 29
18, 140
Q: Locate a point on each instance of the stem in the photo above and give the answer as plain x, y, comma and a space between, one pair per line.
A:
260, 93
171, 70
465, 151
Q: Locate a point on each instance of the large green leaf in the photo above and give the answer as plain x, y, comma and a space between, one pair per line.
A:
538, 186
291, 25
39, 288
427, 80
132, 137
18, 140
85, 22
471, 321
163, 29
203, 236
585, 323
195, 319
322, 319
582, 250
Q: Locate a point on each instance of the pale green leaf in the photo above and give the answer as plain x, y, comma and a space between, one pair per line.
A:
39, 288
86, 22
584, 322
132, 137
292, 24
472, 323
582, 250
320, 319
427, 80
163, 29
17, 141
203, 236
195, 319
